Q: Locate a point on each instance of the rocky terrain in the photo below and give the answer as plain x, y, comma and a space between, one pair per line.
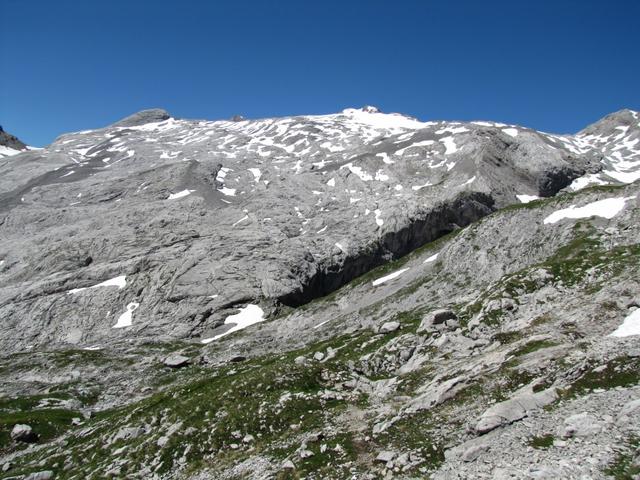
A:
357, 295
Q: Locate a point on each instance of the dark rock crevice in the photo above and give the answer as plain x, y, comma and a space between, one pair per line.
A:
433, 224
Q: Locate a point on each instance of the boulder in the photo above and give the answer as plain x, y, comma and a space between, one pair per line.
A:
43, 475
473, 452
436, 317
581, 425
175, 360
514, 409
385, 456
389, 327
23, 433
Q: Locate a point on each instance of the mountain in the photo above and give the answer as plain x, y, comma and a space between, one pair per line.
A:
445, 299
10, 144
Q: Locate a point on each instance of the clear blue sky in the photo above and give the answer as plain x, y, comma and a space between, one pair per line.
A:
553, 65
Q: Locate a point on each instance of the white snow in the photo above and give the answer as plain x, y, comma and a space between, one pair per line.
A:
321, 324
332, 182
364, 176
231, 192
385, 158
181, 194
512, 132
125, 320
630, 325
420, 187
470, 181
624, 177
389, 121
68, 173
339, 245
8, 152
249, 315
453, 130
381, 177
432, 258
241, 220
450, 145
256, 173
527, 198
391, 276
322, 229
93, 348
586, 180
119, 282
379, 220
607, 208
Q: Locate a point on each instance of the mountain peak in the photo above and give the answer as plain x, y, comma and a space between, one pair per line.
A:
606, 125
143, 116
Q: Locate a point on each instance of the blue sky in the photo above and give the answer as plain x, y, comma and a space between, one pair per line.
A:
551, 65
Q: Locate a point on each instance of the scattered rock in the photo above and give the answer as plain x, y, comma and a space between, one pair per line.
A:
176, 360
304, 453
319, 356
248, 438
514, 409
436, 317
23, 433
389, 327
581, 425
385, 456
44, 475
288, 465
471, 453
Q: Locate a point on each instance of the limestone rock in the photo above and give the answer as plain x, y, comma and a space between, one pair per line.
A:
23, 433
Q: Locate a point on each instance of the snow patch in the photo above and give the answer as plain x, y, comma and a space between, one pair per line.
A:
183, 193
607, 208
432, 258
247, 316
231, 192
512, 132
379, 220
450, 145
125, 320
630, 325
391, 276
119, 282
527, 198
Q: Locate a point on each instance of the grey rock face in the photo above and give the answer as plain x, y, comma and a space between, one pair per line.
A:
581, 425
473, 452
201, 219
514, 409
43, 475
143, 117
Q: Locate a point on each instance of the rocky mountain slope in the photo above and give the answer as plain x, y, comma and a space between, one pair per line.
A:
10, 144
415, 300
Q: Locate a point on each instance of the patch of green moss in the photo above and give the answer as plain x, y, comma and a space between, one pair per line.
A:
533, 346
622, 467
544, 441
620, 372
46, 423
